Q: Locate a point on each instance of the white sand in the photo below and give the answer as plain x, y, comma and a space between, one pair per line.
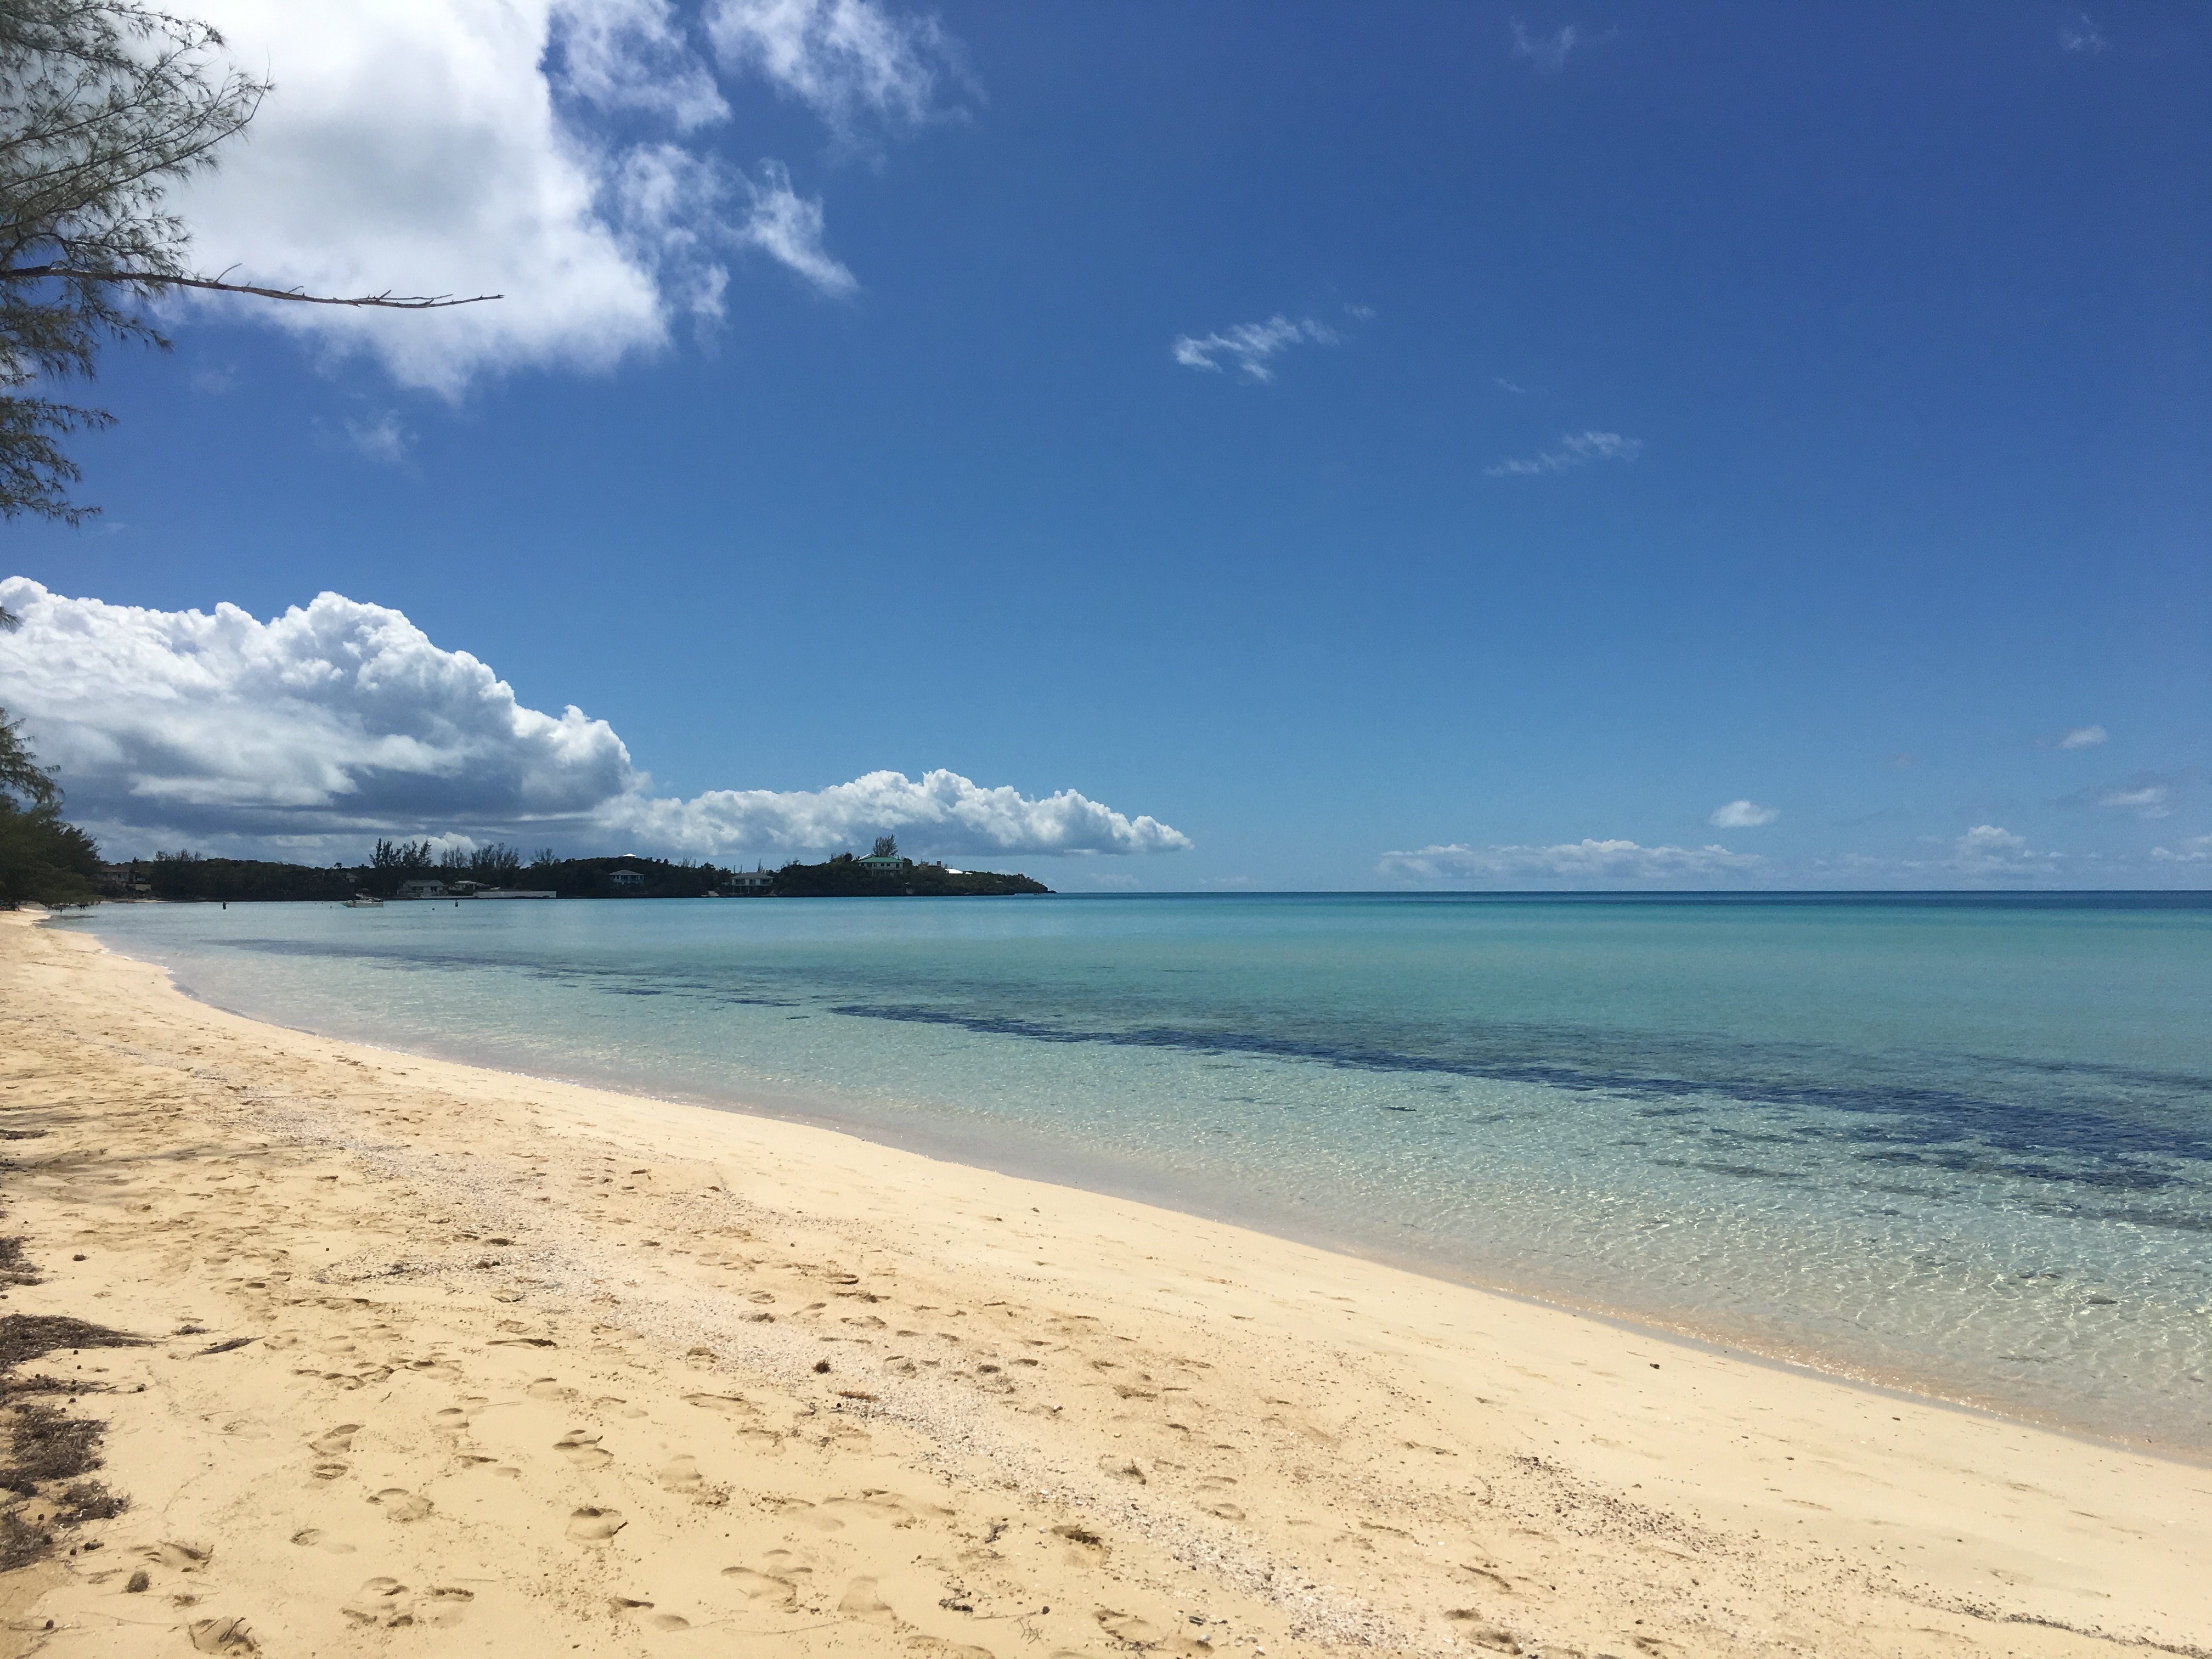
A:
537, 1370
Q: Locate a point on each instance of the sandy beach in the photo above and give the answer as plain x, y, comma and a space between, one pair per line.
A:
436, 1359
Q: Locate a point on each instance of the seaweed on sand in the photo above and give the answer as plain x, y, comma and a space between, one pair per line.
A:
45, 1454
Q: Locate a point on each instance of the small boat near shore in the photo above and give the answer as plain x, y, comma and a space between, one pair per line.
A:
362, 902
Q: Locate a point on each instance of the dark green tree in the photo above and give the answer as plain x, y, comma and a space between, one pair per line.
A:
886, 848
43, 861
104, 106
495, 863
21, 777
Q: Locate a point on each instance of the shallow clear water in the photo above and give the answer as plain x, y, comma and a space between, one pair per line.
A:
1963, 1144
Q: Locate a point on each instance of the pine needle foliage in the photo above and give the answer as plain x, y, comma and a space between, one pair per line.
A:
104, 105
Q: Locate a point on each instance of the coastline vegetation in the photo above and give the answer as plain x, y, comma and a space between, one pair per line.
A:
187, 877
43, 861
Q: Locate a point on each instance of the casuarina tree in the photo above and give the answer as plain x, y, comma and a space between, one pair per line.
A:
105, 105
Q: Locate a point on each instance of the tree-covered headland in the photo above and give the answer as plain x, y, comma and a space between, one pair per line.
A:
186, 877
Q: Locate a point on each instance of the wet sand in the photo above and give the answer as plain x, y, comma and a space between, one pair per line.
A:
445, 1361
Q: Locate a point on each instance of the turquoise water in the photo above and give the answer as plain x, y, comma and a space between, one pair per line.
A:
1961, 1144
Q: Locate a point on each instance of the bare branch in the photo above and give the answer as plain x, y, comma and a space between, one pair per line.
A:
154, 279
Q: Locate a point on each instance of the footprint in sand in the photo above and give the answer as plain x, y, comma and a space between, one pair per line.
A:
388, 1604
315, 1538
180, 1558
762, 1586
583, 1450
381, 1602
1086, 1548
861, 1600
222, 1636
443, 1605
729, 1405
1213, 1497
548, 1387
336, 1441
624, 1607
1126, 1627
682, 1475
1473, 1626
595, 1526
400, 1504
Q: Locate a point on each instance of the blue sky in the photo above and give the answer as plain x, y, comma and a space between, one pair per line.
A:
1641, 408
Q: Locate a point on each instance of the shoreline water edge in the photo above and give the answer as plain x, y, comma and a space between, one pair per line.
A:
1961, 1151
412, 1342
1773, 1347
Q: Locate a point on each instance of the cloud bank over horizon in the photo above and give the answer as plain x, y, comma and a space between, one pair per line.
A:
339, 721
1586, 861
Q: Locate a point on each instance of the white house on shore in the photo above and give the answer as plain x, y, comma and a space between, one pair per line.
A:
889, 864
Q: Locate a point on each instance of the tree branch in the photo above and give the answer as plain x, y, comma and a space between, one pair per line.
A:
154, 279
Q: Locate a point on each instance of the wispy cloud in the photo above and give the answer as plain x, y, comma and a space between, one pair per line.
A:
631, 55
1590, 860
1742, 815
1250, 346
2146, 794
787, 227
380, 437
860, 66
2148, 801
1548, 52
2080, 32
684, 213
1576, 449
2198, 849
2082, 737
1504, 385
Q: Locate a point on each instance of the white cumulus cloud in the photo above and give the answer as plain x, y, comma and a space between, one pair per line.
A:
1990, 849
467, 147
2084, 737
1589, 860
417, 148
1742, 815
339, 720
1576, 449
940, 808
1250, 346
2198, 849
